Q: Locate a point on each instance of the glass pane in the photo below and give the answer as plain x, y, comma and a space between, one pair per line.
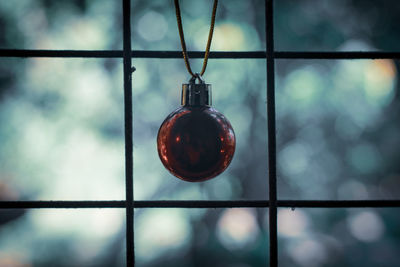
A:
62, 128
355, 25
154, 25
34, 24
199, 237
339, 237
62, 237
238, 92
338, 129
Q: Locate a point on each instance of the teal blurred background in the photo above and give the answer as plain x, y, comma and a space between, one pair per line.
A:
62, 135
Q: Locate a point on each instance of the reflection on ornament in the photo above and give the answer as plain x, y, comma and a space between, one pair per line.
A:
196, 142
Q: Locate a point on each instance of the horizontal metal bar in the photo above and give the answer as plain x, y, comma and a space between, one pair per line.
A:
62, 204
339, 203
119, 54
337, 55
137, 204
197, 54
201, 204
61, 53
265, 204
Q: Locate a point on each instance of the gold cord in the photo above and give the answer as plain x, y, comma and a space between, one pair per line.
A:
182, 37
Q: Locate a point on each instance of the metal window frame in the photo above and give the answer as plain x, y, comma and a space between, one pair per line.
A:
270, 54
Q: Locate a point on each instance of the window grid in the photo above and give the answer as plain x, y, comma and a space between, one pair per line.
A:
129, 203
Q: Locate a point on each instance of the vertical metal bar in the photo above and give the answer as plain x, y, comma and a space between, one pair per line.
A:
273, 235
127, 58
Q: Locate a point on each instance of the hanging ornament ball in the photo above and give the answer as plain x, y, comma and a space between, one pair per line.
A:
196, 142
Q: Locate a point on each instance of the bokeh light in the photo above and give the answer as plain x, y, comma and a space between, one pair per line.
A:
237, 228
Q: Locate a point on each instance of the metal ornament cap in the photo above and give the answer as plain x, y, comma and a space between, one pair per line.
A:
196, 94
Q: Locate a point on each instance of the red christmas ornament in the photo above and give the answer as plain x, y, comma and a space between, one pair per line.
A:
196, 142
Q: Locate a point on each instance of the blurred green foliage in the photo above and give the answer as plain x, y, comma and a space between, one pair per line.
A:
337, 131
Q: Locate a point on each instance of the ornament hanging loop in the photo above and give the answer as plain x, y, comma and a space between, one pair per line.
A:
182, 37
196, 76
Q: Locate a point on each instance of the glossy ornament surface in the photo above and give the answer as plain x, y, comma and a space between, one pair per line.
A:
196, 142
